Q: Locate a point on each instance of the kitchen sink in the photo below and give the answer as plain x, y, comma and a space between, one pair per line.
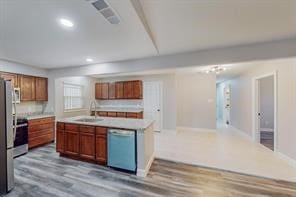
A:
89, 120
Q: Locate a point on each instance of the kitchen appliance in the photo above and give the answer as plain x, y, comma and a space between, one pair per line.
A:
7, 135
21, 138
122, 149
17, 95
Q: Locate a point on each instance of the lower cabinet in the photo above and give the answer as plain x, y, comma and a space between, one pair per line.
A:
82, 141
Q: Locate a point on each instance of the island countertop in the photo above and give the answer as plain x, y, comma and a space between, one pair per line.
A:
122, 123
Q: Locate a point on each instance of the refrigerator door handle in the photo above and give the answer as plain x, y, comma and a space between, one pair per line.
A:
15, 114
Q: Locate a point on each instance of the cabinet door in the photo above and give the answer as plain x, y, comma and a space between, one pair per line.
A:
103, 113
87, 145
105, 90
98, 91
112, 91
121, 114
101, 149
137, 89
119, 90
10, 77
71, 142
128, 89
60, 143
131, 115
27, 85
112, 114
41, 89
101, 145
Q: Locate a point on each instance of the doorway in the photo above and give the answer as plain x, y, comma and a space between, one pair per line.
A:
265, 131
153, 103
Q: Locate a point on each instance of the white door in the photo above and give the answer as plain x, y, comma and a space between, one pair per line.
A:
152, 103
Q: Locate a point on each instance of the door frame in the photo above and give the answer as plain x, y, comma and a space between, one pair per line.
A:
160, 102
255, 107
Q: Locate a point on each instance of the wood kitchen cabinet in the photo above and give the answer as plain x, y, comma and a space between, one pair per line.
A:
27, 86
10, 77
121, 114
101, 145
119, 90
112, 91
112, 114
137, 89
41, 131
102, 91
137, 115
128, 89
87, 142
72, 139
41, 88
60, 137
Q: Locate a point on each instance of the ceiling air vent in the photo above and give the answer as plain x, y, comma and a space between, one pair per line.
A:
107, 12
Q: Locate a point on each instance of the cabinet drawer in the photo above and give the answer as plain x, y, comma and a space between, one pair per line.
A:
40, 133
111, 114
131, 115
44, 139
101, 131
121, 114
87, 129
41, 121
60, 126
72, 127
34, 128
103, 113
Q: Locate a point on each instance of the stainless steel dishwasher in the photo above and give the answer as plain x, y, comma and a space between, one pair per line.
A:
122, 149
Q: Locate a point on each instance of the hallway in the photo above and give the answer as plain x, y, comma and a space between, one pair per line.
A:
225, 149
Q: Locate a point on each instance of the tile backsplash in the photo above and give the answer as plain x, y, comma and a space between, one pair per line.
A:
30, 107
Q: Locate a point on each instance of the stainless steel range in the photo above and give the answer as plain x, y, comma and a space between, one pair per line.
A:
21, 138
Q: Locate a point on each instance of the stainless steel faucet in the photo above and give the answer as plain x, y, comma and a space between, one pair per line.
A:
91, 106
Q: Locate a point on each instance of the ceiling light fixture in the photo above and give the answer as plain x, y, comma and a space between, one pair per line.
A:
215, 69
89, 60
66, 22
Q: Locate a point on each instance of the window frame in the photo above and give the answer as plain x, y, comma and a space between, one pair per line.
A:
83, 108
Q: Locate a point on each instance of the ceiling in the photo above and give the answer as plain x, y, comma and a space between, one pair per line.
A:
30, 32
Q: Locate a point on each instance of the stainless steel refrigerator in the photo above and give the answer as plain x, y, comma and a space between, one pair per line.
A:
7, 131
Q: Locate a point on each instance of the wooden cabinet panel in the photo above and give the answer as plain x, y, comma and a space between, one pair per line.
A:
10, 77
60, 126
103, 113
41, 88
119, 90
137, 89
105, 91
121, 114
138, 115
71, 142
60, 142
98, 91
101, 149
40, 131
128, 89
112, 114
101, 131
27, 86
87, 145
112, 91
87, 129
72, 127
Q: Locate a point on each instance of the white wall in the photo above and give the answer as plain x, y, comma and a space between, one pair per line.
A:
89, 92
196, 99
267, 103
241, 100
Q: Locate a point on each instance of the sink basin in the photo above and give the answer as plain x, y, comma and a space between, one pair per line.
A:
89, 120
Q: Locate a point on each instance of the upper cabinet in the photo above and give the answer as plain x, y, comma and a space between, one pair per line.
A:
31, 88
10, 77
41, 89
120, 90
27, 86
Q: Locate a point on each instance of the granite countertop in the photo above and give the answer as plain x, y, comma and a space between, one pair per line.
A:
33, 116
123, 123
120, 109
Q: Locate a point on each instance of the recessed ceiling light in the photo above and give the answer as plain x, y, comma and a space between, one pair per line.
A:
66, 22
89, 60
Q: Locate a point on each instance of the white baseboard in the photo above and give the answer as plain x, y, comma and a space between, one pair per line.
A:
241, 132
288, 159
144, 172
180, 129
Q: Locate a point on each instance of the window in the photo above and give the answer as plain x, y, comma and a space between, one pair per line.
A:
73, 97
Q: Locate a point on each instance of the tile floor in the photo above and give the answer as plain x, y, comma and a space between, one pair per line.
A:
224, 149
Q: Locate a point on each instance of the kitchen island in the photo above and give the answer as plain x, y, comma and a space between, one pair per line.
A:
87, 138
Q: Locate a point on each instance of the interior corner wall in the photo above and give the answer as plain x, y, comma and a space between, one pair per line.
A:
196, 101
241, 100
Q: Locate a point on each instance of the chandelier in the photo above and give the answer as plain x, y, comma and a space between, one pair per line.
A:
215, 69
